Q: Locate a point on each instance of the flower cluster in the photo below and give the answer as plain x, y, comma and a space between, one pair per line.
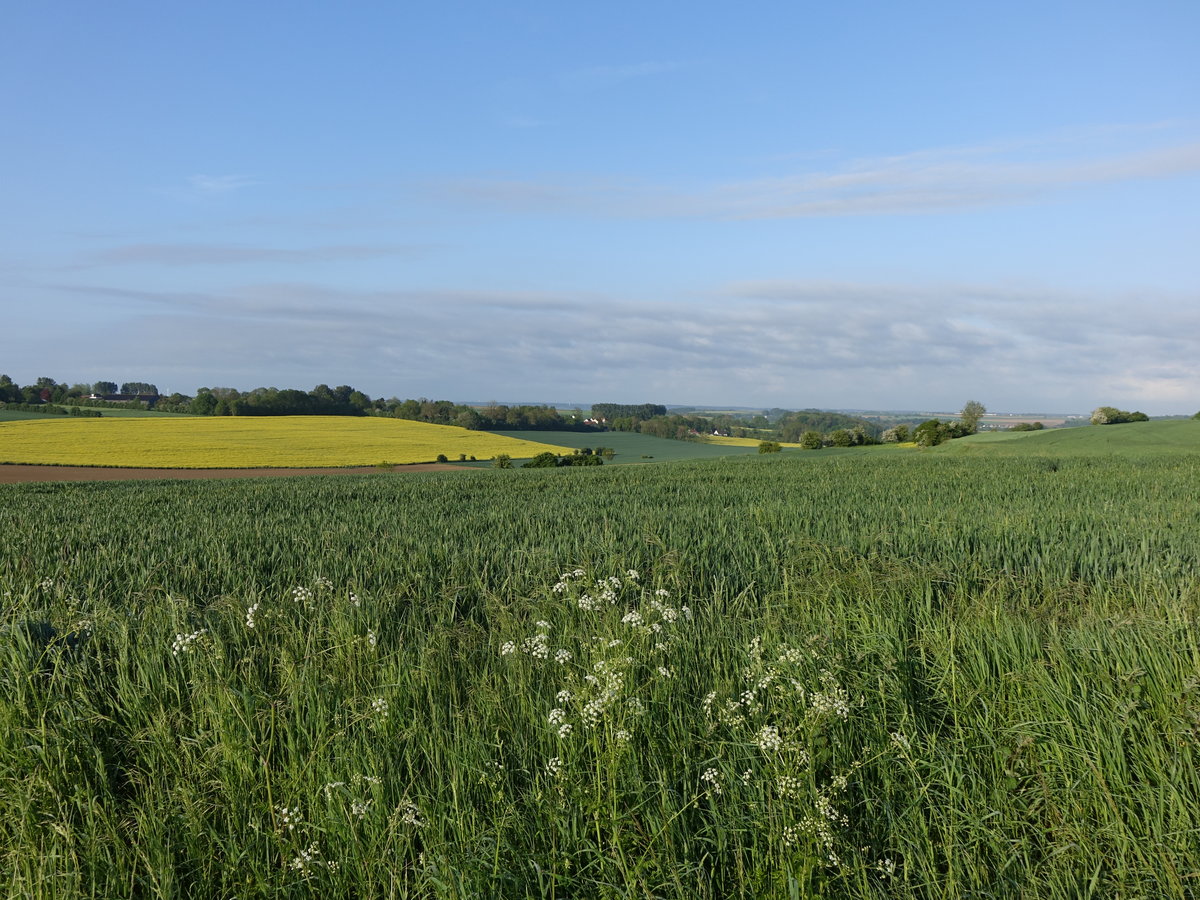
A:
712, 781
410, 814
288, 818
183, 642
783, 711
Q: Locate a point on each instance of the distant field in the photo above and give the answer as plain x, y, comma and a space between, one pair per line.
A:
1132, 438
742, 442
141, 414
7, 415
634, 448
224, 442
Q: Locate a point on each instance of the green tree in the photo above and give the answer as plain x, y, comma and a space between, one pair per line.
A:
811, 440
769, 447
932, 432
841, 438
203, 404
971, 413
502, 461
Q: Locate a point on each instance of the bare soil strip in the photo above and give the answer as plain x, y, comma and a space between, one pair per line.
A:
13, 474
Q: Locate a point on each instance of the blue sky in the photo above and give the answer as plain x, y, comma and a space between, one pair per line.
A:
870, 205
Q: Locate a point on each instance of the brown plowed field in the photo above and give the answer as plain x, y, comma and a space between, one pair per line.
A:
11, 474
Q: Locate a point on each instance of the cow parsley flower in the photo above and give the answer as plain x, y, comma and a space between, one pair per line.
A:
183, 642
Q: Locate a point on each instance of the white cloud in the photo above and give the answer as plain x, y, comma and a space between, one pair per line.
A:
790, 344
931, 181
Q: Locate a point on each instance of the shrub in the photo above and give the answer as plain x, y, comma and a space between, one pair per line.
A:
545, 460
770, 447
1110, 415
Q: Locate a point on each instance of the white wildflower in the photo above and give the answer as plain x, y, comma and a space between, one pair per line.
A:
788, 786
554, 766
713, 781
288, 817
410, 814
562, 656
250, 615
768, 738
379, 706
183, 642
306, 859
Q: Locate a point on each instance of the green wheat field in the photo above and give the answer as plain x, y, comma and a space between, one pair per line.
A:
877, 674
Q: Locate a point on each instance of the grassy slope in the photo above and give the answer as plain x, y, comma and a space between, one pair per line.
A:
1132, 438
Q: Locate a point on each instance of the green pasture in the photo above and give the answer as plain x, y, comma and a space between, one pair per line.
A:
14, 416
1129, 439
906, 674
9, 415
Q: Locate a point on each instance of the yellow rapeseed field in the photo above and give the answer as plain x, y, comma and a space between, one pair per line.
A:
245, 442
740, 442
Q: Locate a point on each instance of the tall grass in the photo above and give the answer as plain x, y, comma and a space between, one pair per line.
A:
925, 677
